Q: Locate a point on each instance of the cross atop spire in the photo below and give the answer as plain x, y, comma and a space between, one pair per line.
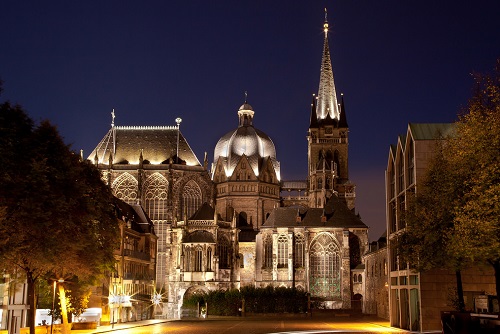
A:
113, 118
325, 25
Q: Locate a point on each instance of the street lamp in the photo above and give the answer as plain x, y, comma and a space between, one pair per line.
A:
53, 304
178, 120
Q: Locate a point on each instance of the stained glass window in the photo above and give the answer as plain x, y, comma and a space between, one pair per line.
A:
125, 188
325, 267
191, 199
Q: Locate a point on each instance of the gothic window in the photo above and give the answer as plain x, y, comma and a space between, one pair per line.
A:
282, 251
298, 251
355, 278
125, 188
320, 183
268, 252
209, 259
198, 259
325, 267
155, 196
360, 278
187, 259
224, 252
191, 199
328, 182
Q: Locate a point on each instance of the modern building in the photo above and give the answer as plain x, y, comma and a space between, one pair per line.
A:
417, 298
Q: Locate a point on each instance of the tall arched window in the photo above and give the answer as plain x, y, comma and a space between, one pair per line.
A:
209, 259
125, 188
155, 196
268, 252
282, 251
224, 249
198, 259
325, 267
191, 199
298, 251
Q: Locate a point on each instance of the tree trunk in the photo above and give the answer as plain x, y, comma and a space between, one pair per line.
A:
460, 291
64, 310
31, 301
496, 266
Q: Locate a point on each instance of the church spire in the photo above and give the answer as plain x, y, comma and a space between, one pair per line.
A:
327, 97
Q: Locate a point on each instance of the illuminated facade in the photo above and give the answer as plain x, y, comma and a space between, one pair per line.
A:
142, 167
229, 227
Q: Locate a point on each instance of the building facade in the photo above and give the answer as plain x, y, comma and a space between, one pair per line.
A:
417, 298
230, 227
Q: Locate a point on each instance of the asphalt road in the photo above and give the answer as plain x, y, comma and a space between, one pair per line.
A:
261, 325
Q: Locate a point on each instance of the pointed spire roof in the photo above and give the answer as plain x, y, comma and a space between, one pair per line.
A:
343, 117
327, 97
314, 119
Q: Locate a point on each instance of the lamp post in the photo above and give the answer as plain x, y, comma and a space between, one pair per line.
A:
54, 304
178, 120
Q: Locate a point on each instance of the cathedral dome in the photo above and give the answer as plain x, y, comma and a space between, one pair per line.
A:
245, 140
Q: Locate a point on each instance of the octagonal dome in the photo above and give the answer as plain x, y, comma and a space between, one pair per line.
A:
245, 140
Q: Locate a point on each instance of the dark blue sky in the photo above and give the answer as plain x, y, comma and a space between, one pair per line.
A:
396, 62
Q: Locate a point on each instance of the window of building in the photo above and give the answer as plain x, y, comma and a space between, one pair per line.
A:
400, 170
325, 267
224, 253
198, 259
360, 278
411, 162
125, 188
268, 252
209, 259
155, 196
191, 199
298, 250
355, 278
282, 251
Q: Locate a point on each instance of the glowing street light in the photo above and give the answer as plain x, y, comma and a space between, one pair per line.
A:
53, 304
178, 120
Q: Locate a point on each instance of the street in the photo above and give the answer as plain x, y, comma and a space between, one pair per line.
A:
261, 325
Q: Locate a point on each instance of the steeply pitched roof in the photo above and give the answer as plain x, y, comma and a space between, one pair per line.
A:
158, 145
336, 212
204, 212
135, 216
199, 236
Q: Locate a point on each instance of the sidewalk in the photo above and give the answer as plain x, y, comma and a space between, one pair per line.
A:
125, 325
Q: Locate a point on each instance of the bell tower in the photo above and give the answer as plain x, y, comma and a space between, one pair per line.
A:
328, 169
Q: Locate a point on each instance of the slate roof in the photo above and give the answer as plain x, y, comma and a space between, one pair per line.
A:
430, 131
336, 211
135, 215
157, 143
199, 236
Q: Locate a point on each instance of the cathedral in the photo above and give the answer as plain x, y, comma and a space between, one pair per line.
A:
232, 224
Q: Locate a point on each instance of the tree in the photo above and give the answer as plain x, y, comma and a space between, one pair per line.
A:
429, 219
57, 215
474, 152
454, 220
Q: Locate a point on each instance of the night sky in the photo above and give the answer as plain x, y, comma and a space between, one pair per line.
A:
396, 62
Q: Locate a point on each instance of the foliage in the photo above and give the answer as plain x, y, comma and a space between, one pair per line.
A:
474, 152
57, 204
455, 218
